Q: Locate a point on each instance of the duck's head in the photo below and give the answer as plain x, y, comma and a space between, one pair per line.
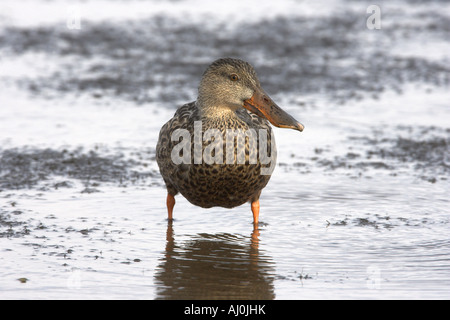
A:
229, 84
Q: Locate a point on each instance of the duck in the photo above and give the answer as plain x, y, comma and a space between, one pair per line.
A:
219, 150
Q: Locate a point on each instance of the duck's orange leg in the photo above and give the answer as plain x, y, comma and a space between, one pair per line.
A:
255, 210
170, 204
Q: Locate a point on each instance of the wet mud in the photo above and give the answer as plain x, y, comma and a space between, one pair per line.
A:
26, 168
349, 63
426, 149
422, 152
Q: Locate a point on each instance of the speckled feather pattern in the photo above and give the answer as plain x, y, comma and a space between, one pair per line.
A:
209, 185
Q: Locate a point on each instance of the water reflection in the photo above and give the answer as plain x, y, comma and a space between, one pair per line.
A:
214, 266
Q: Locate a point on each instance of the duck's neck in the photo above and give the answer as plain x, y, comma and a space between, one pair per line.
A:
214, 110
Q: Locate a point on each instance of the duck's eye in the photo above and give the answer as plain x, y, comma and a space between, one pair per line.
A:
234, 77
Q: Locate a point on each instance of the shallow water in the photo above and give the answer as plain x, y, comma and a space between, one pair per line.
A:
357, 207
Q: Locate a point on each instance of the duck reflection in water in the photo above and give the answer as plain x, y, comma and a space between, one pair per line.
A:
215, 266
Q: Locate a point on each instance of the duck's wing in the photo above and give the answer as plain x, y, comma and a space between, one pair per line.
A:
182, 119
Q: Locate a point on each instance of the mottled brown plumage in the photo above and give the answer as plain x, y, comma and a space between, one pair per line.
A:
227, 87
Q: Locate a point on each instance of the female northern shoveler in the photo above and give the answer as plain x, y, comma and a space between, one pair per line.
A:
195, 165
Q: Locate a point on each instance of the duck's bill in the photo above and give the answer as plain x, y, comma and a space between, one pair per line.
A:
262, 105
